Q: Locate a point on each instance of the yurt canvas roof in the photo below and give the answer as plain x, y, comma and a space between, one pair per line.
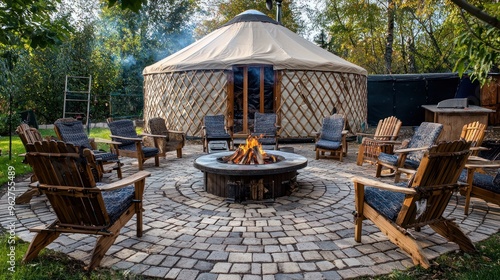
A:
253, 38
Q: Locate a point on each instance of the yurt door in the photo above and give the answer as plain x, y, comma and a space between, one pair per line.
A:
253, 92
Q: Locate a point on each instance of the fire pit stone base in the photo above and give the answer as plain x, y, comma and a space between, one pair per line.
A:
277, 178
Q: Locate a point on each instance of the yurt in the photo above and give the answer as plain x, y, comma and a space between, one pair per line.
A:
254, 64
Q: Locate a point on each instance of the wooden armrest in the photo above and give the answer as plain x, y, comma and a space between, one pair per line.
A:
408, 150
105, 141
176, 132
477, 158
141, 175
483, 164
344, 132
479, 149
364, 134
126, 138
394, 142
381, 185
153, 135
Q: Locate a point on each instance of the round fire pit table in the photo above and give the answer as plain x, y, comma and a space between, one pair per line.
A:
280, 176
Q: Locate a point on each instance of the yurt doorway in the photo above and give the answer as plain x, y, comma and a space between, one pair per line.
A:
253, 92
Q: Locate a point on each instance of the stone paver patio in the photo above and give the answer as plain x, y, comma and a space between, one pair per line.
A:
189, 234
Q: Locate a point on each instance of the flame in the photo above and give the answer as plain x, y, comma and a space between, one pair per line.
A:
252, 141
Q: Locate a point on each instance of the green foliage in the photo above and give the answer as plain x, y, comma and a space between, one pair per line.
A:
422, 42
223, 11
478, 43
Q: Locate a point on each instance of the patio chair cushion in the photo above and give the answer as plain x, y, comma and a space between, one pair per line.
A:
147, 151
425, 135
104, 156
265, 123
74, 133
215, 127
328, 145
332, 129
387, 203
117, 201
393, 159
483, 181
123, 128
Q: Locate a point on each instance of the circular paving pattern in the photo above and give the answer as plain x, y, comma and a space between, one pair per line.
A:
190, 234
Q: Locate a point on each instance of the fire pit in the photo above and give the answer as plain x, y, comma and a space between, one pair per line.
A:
274, 177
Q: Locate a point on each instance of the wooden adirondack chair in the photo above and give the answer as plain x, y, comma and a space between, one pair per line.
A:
474, 132
131, 144
407, 159
396, 209
332, 138
173, 141
29, 135
81, 205
382, 140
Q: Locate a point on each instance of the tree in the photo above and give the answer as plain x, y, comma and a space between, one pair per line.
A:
220, 12
477, 33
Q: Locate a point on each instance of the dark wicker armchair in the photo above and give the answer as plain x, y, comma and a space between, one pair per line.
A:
266, 128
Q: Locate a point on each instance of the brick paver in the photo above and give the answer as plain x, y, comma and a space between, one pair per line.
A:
190, 234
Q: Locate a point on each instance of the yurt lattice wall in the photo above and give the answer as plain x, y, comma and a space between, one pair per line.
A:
309, 96
184, 98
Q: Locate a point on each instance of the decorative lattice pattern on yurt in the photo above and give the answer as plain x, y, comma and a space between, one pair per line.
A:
309, 96
184, 98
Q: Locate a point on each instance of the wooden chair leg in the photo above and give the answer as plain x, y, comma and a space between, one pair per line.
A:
40, 241
157, 160
361, 152
179, 153
101, 247
317, 153
403, 241
452, 232
378, 173
470, 177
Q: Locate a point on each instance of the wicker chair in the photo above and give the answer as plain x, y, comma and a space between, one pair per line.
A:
266, 128
174, 140
214, 129
332, 138
383, 140
396, 209
407, 159
81, 205
71, 130
131, 145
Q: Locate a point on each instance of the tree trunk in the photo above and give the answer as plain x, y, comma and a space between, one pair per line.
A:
390, 36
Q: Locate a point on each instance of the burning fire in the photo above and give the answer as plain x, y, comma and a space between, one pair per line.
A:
250, 153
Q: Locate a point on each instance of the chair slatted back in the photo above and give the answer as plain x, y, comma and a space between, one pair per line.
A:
474, 132
28, 135
388, 129
65, 177
435, 182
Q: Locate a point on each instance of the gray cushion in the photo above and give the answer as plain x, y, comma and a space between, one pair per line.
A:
483, 181
124, 128
74, 133
117, 201
425, 135
387, 203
